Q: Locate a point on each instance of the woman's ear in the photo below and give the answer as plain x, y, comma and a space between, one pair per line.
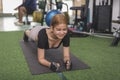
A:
51, 29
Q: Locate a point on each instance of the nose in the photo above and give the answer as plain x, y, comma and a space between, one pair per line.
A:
62, 32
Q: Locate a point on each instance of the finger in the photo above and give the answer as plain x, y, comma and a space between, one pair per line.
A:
58, 66
68, 66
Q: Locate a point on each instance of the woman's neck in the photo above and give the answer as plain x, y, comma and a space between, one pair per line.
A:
51, 35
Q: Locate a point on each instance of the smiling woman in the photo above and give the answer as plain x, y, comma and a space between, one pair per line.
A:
51, 37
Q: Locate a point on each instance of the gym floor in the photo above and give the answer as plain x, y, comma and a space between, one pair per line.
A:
104, 61
7, 24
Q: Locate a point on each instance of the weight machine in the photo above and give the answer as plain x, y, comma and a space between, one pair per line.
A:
49, 5
116, 34
102, 15
81, 23
116, 38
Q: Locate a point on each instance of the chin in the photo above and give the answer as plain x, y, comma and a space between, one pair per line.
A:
60, 37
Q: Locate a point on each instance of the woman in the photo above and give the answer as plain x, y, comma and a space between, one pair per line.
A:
28, 6
51, 37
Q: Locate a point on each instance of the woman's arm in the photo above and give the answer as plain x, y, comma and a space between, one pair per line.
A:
67, 60
66, 54
41, 58
52, 65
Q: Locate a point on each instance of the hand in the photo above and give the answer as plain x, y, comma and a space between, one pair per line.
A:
68, 65
54, 66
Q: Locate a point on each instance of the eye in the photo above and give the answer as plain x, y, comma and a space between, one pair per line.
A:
58, 29
65, 29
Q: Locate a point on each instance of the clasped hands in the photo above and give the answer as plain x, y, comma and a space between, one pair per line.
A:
54, 66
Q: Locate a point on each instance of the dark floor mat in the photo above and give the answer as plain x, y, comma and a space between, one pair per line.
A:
30, 53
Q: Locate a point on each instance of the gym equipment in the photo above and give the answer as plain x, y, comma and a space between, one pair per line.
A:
102, 23
116, 35
91, 33
59, 5
49, 16
42, 6
37, 16
61, 75
83, 17
53, 55
26, 18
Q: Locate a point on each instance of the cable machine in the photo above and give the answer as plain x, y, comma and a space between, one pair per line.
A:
102, 15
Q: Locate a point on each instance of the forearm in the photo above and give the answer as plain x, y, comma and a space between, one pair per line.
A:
52, 65
67, 60
66, 54
41, 58
44, 62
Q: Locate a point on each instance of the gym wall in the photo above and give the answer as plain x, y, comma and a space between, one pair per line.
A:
0, 6
116, 9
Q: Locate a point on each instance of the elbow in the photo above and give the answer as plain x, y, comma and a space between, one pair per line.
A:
41, 60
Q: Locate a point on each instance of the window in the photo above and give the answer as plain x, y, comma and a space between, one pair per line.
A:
9, 5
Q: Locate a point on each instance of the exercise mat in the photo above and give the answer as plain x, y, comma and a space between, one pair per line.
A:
30, 53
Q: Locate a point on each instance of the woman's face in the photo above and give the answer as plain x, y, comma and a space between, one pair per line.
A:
60, 31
